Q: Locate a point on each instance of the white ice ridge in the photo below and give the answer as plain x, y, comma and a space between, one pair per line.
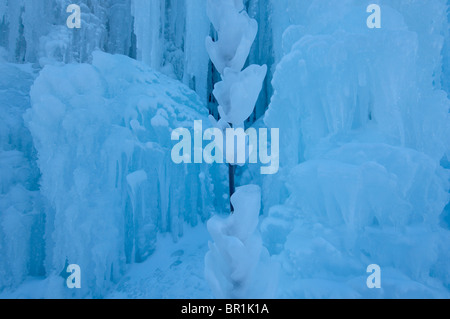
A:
238, 92
236, 32
237, 264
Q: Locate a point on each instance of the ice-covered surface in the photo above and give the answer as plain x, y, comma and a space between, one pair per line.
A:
169, 36
237, 265
102, 133
174, 271
346, 212
365, 126
236, 32
238, 93
36, 31
21, 207
363, 116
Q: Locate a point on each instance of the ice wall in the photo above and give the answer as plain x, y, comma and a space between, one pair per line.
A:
446, 56
370, 105
102, 133
36, 31
21, 207
364, 126
167, 35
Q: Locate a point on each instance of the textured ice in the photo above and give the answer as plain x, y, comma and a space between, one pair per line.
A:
94, 130
21, 207
365, 150
168, 36
236, 32
237, 265
364, 130
238, 92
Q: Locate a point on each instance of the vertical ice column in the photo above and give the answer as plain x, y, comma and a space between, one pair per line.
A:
148, 26
237, 265
196, 59
238, 91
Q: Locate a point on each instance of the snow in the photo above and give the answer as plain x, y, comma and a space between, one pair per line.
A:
174, 271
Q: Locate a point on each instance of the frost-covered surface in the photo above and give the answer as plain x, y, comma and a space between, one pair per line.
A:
365, 127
